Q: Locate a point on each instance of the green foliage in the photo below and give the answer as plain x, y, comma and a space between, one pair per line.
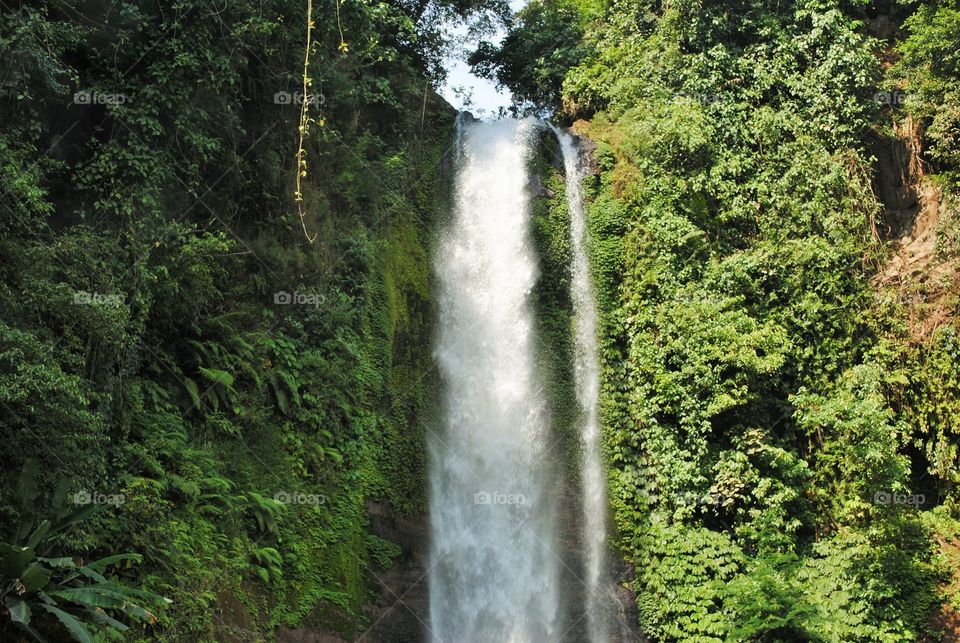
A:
927, 75
761, 404
876, 585
929, 383
47, 594
769, 606
382, 552
856, 444
679, 595
144, 242
534, 57
756, 397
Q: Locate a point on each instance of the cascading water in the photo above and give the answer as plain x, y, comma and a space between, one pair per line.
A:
587, 381
493, 564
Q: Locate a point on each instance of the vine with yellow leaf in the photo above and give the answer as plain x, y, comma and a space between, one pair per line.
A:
304, 127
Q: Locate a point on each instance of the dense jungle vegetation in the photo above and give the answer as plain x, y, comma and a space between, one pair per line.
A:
199, 406
775, 250
225, 439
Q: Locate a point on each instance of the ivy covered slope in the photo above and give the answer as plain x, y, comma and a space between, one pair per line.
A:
223, 396
774, 243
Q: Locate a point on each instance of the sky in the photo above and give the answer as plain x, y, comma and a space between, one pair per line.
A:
486, 97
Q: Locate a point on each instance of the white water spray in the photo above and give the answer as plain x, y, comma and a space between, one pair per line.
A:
587, 381
493, 563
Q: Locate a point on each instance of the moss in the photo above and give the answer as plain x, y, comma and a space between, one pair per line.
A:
550, 230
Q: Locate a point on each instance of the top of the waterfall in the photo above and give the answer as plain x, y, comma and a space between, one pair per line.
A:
465, 117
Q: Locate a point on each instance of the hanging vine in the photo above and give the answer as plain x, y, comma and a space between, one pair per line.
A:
304, 126
343, 47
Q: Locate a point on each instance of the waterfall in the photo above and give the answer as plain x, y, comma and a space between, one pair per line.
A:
493, 571
458, 125
587, 381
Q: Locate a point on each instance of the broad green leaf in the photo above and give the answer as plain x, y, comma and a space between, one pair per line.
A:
39, 533
15, 559
35, 577
91, 596
135, 593
27, 494
19, 610
60, 492
103, 563
99, 616
43, 596
73, 625
138, 612
81, 513
65, 562
27, 485
94, 575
